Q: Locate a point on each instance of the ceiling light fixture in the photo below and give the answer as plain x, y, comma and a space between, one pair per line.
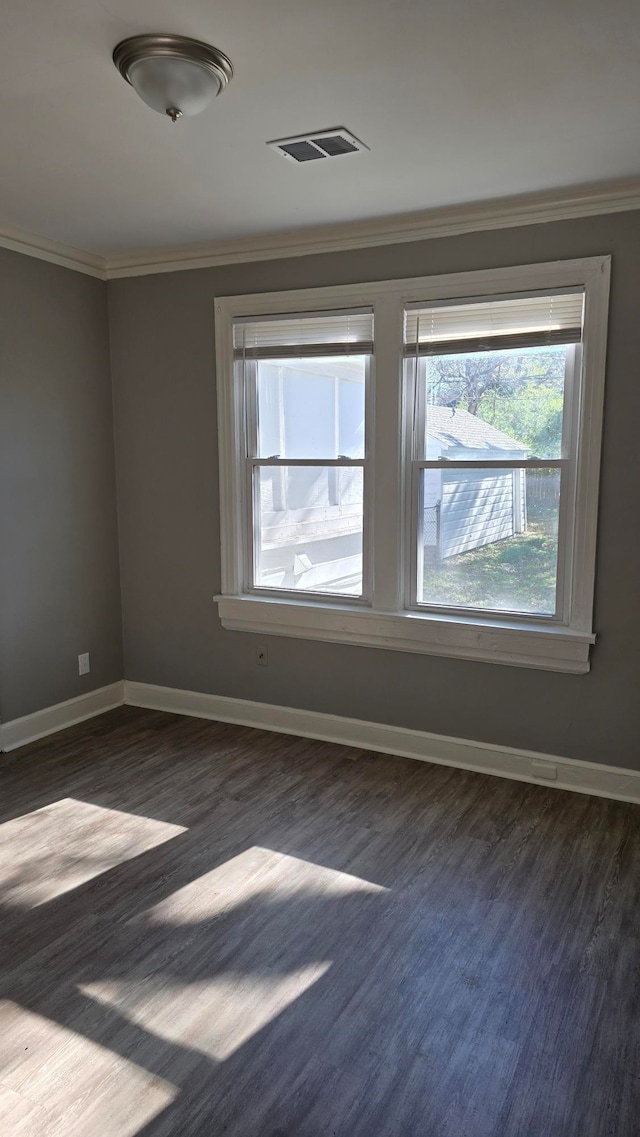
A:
173, 75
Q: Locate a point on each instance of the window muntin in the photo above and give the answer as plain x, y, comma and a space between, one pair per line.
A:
306, 383
485, 537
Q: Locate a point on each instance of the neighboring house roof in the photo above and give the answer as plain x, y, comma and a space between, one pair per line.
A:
453, 426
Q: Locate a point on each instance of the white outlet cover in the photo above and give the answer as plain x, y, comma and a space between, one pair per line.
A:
84, 666
544, 770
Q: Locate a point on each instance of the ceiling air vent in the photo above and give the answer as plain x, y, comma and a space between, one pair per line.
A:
320, 144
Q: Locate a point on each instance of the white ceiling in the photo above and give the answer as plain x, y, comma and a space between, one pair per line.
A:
459, 102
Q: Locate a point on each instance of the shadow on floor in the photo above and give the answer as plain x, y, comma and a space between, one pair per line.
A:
335, 944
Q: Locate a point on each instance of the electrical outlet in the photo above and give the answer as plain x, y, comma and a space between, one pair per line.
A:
262, 656
545, 770
84, 666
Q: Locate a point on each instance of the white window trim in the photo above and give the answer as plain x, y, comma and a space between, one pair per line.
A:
387, 623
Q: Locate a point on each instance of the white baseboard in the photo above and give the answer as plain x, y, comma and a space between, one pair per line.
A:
17, 732
504, 761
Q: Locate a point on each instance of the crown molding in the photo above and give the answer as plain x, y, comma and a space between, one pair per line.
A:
55, 252
446, 221
503, 213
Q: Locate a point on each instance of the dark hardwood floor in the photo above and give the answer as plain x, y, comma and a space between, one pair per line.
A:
209, 930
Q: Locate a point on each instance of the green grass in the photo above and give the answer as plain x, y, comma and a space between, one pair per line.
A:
517, 574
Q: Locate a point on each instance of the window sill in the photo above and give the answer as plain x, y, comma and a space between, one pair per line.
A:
516, 643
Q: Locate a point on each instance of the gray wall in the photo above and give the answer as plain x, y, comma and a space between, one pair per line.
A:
164, 389
59, 578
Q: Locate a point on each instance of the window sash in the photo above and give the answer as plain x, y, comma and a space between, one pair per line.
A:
252, 489
246, 376
416, 565
415, 378
246, 371
415, 370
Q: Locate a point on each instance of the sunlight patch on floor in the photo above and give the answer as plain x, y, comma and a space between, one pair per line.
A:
256, 873
259, 931
214, 1016
57, 1082
52, 850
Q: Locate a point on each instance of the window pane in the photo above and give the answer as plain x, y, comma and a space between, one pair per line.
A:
490, 539
309, 528
311, 408
503, 403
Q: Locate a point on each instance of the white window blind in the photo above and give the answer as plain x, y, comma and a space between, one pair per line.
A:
304, 335
525, 321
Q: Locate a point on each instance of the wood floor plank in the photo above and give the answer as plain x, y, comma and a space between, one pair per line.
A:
209, 930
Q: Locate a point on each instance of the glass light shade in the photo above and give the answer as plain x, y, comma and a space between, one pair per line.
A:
166, 84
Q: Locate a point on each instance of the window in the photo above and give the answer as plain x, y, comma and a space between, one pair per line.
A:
306, 381
414, 464
494, 449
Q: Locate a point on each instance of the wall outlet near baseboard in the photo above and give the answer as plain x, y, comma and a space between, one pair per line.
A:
545, 770
84, 667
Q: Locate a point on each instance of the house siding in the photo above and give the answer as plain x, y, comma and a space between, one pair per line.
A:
478, 507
